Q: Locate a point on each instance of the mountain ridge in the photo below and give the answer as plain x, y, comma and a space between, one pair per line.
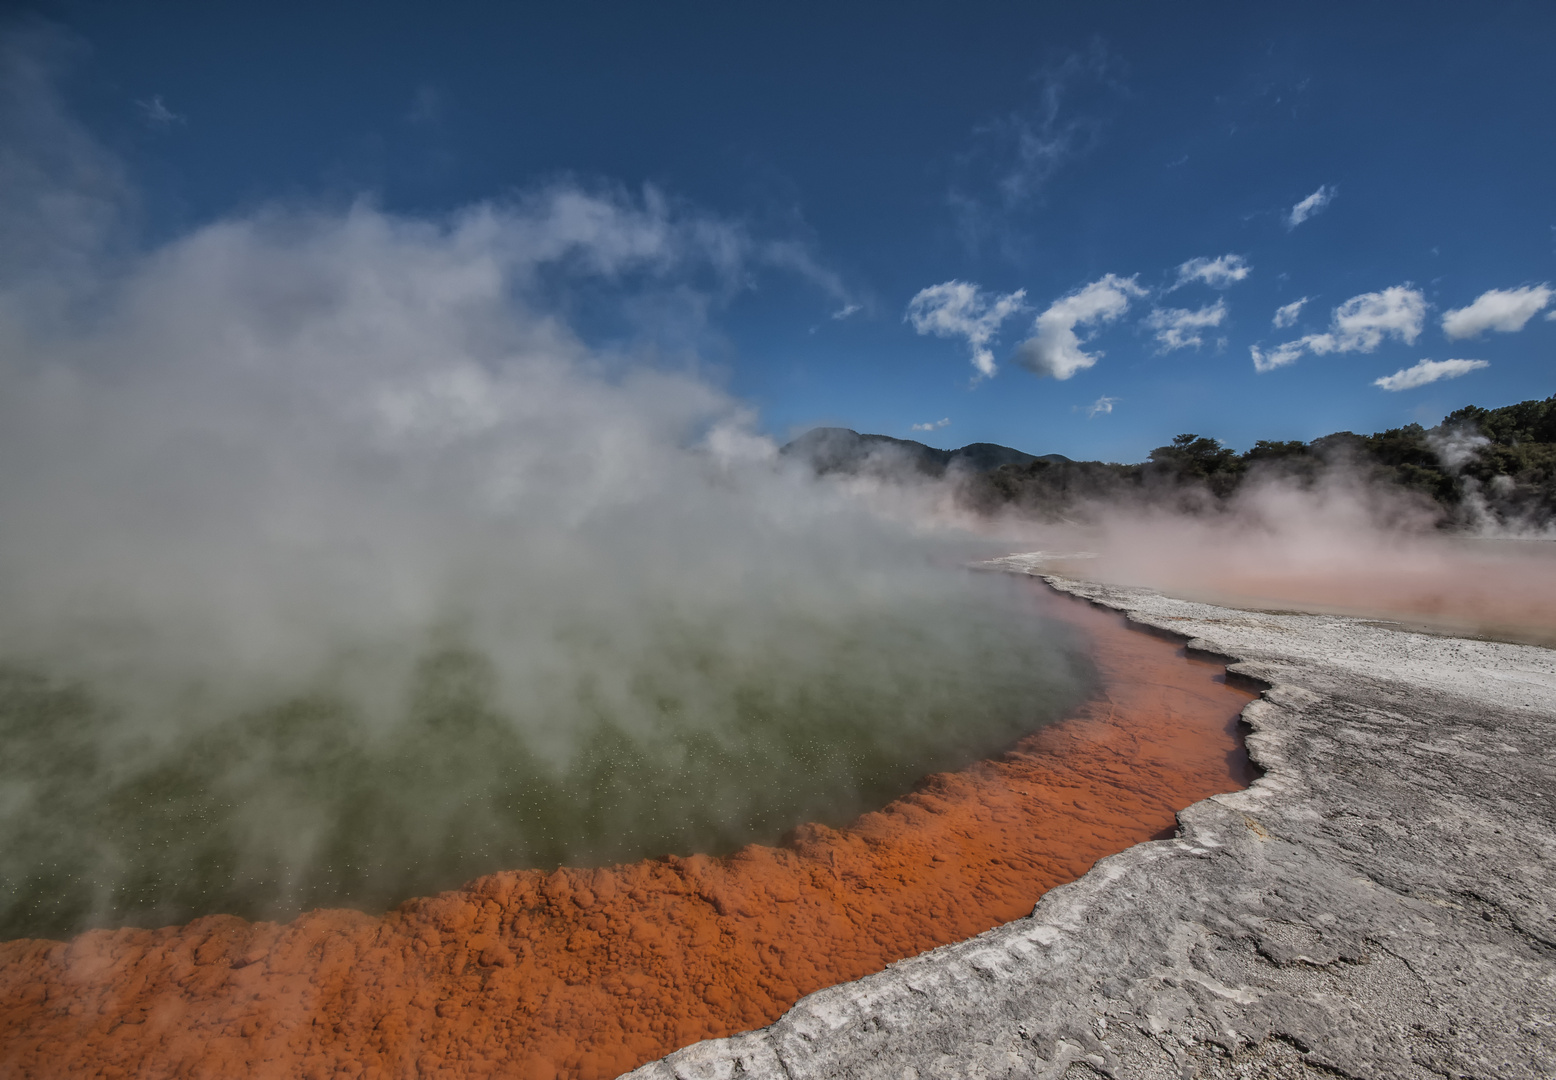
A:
839, 449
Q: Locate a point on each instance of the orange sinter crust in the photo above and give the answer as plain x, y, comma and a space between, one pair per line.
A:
587, 973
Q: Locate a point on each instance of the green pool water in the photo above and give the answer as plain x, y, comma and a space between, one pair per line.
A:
691, 739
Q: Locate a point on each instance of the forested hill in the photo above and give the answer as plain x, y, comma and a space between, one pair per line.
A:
832, 449
1477, 465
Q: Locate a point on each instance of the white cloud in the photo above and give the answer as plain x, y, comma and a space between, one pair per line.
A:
933, 425
1506, 310
1358, 325
1101, 407
1311, 205
1178, 328
1054, 348
1286, 314
1362, 322
962, 309
845, 311
1218, 273
1278, 357
1428, 371
158, 114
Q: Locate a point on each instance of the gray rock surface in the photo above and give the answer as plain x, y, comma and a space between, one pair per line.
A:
1382, 903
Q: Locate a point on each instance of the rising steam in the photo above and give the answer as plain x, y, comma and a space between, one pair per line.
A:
335, 566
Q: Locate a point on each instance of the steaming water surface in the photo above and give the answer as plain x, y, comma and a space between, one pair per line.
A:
698, 742
338, 565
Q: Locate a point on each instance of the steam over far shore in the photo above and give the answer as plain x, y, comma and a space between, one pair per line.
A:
1447, 528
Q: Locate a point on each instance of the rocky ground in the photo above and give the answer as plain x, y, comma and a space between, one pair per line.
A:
1382, 903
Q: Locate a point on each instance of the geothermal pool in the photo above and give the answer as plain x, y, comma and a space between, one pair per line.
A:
691, 743
587, 972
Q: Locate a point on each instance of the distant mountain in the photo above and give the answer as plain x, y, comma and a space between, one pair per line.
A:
832, 449
983, 456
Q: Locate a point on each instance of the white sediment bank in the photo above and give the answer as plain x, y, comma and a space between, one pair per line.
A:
1382, 903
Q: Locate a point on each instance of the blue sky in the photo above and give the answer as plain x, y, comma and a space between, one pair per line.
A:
1096, 203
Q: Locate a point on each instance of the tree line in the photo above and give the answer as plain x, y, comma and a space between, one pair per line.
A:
1477, 462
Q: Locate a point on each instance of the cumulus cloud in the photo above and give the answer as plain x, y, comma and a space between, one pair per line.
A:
1286, 314
1505, 310
1179, 328
962, 309
933, 425
1278, 357
1219, 273
1363, 322
1313, 204
1101, 407
1054, 348
1428, 371
1360, 324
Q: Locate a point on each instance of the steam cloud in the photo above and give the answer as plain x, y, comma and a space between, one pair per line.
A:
325, 539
